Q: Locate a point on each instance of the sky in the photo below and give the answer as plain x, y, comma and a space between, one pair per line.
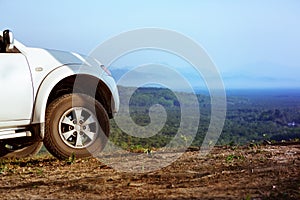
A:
254, 44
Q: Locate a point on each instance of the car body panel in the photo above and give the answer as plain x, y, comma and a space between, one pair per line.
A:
16, 89
38, 71
63, 72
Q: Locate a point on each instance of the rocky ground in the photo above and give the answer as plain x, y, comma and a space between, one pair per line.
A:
248, 172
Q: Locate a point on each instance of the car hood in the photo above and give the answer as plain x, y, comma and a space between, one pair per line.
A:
68, 58
60, 57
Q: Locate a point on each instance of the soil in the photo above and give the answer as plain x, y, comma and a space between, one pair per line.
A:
247, 172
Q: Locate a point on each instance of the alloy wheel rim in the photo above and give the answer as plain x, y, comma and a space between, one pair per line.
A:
78, 127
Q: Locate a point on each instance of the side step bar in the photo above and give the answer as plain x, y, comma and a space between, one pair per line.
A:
12, 133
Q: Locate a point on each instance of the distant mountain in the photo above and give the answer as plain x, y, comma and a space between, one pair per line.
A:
118, 73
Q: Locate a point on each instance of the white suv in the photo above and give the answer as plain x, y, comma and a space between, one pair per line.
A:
61, 99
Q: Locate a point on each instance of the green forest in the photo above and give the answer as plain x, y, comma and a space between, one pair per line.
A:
252, 116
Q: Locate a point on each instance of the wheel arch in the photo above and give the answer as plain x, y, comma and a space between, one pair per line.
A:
82, 82
61, 81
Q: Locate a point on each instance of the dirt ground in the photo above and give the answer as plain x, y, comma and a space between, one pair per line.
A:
257, 172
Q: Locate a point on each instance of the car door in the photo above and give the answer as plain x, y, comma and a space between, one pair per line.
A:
16, 90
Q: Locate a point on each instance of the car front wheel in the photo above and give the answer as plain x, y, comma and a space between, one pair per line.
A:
76, 124
28, 151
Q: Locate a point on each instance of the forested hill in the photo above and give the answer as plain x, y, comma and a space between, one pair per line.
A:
252, 116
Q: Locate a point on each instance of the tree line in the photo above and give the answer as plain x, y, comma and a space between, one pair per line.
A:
249, 118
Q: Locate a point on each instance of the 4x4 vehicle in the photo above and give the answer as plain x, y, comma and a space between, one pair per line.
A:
60, 99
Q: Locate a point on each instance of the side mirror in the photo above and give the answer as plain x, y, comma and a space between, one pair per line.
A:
8, 39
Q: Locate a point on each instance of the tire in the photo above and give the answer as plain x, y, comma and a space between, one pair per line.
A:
3, 150
28, 151
76, 124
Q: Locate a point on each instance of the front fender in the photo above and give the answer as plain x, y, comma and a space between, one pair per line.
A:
54, 77
45, 89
